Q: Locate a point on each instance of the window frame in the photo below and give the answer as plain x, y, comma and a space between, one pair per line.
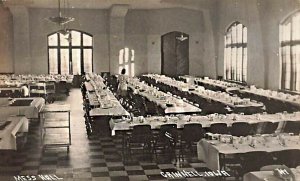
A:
130, 61
289, 44
232, 62
70, 47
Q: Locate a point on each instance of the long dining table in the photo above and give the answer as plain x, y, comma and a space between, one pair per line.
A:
30, 107
169, 103
155, 122
211, 151
101, 100
269, 175
206, 98
63, 83
275, 101
213, 84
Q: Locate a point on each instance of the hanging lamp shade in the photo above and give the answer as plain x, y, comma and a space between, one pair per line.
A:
60, 19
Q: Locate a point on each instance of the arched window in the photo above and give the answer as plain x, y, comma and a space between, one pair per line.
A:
126, 60
290, 53
235, 53
71, 53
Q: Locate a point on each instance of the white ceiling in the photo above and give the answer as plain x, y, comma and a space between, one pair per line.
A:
105, 4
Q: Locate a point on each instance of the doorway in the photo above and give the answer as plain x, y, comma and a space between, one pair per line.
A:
175, 54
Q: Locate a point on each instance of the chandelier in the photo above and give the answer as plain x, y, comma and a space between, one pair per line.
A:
60, 19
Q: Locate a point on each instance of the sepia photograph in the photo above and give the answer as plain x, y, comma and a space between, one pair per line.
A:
144, 90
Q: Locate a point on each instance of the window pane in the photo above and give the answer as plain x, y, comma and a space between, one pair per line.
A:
296, 27
294, 67
76, 38
287, 68
239, 64
228, 37
53, 65
245, 35
233, 34
87, 40
244, 73
64, 40
121, 56
239, 33
88, 60
225, 58
233, 63
228, 68
287, 32
132, 55
76, 63
126, 54
64, 61
132, 69
52, 40
297, 59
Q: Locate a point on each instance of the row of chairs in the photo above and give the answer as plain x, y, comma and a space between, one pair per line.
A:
207, 106
167, 140
245, 129
272, 106
11, 93
140, 106
86, 108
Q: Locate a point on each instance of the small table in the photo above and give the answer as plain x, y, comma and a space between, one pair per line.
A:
53, 130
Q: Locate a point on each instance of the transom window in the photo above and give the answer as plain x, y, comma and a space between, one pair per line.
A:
71, 53
126, 60
235, 53
290, 53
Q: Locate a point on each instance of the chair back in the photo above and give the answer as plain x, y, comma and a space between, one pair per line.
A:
139, 130
269, 128
192, 132
241, 129
168, 131
292, 127
219, 128
252, 161
141, 134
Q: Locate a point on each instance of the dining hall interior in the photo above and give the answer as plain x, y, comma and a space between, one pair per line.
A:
116, 90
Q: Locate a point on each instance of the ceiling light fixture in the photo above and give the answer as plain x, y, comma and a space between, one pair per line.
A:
181, 38
60, 19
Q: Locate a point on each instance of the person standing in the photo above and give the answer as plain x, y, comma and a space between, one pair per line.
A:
122, 86
25, 90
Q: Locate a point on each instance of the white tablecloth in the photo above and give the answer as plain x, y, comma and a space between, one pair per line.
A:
264, 93
8, 134
177, 108
31, 111
209, 150
114, 111
205, 121
268, 176
221, 97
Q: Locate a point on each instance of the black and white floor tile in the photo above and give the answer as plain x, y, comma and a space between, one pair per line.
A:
97, 158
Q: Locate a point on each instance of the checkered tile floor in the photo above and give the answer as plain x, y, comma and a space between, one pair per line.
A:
97, 158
